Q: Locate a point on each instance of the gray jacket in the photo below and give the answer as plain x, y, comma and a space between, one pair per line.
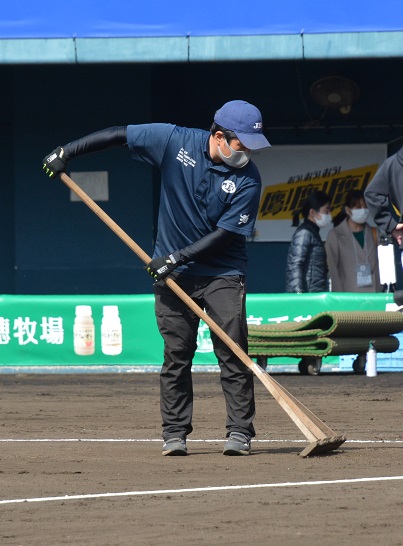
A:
306, 269
344, 254
385, 193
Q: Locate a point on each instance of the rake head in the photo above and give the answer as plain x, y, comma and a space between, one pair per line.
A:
323, 445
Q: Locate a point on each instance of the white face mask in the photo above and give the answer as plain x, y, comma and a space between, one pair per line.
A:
235, 159
359, 216
324, 220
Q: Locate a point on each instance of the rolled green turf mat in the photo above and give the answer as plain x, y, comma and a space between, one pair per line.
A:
328, 333
324, 346
337, 323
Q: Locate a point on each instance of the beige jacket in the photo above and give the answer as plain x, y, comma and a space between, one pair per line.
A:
342, 259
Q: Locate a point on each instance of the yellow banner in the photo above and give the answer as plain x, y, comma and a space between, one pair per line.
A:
283, 201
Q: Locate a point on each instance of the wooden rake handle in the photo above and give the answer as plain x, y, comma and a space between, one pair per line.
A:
310, 425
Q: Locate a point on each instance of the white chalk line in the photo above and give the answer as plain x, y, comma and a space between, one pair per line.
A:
200, 490
188, 440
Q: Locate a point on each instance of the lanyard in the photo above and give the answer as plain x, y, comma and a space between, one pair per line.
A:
363, 271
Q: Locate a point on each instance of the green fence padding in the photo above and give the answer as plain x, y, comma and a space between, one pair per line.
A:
38, 330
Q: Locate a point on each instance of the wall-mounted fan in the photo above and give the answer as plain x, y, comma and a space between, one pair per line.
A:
335, 92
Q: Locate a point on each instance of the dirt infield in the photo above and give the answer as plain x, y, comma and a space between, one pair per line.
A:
81, 464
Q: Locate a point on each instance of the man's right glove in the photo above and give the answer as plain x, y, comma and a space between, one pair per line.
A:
160, 267
55, 163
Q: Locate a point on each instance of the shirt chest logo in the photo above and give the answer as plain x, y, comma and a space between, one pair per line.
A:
184, 157
228, 186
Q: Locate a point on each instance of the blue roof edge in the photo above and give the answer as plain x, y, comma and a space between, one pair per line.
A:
343, 45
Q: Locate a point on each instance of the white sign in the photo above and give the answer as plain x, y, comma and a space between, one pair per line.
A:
290, 173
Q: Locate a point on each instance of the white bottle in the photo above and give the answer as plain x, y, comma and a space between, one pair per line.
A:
84, 331
111, 331
371, 361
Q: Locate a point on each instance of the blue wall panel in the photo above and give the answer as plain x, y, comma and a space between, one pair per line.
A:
61, 246
7, 205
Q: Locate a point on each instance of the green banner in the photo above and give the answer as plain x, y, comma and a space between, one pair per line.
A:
79, 331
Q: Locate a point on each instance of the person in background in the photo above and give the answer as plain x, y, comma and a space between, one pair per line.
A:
210, 191
384, 196
351, 249
306, 269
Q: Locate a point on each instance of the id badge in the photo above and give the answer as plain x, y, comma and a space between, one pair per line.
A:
364, 275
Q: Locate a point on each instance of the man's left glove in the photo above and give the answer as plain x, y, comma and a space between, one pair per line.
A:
159, 268
55, 163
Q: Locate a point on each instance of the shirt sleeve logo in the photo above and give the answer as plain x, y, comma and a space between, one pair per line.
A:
184, 157
243, 219
228, 186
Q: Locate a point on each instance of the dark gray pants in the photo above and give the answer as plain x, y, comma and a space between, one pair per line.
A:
223, 299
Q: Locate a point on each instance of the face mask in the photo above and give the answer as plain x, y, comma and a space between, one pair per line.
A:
324, 220
359, 215
235, 159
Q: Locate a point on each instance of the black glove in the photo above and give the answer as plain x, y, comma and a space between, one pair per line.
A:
159, 268
55, 163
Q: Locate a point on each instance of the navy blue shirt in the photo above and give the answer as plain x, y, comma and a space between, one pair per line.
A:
197, 195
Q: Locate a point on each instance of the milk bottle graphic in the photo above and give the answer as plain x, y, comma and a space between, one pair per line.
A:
111, 331
84, 331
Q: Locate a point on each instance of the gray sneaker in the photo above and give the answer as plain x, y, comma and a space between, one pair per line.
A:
174, 446
237, 444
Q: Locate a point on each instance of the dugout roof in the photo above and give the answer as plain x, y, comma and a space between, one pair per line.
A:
90, 31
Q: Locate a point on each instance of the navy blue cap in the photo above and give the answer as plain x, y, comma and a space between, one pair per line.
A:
245, 120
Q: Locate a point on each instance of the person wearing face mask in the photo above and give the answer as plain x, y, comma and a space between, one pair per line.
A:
306, 269
351, 249
210, 192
